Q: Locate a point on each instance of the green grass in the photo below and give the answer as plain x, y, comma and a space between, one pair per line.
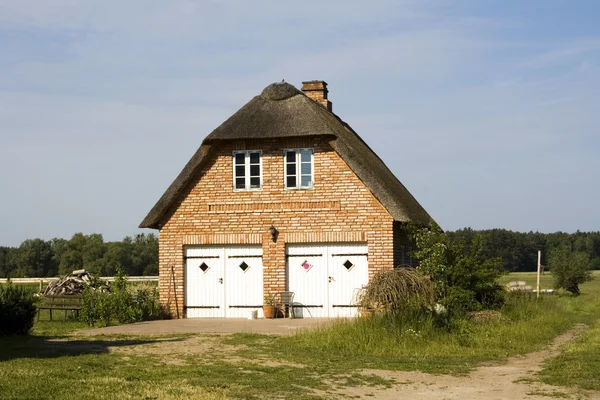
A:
312, 364
579, 361
529, 277
57, 327
29, 287
545, 279
578, 364
44, 368
376, 343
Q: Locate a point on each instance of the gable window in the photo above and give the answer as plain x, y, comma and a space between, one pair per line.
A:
299, 168
247, 170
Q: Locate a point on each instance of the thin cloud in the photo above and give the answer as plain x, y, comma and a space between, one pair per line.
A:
561, 54
470, 114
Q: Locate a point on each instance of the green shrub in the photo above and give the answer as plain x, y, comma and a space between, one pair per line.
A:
124, 304
17, 310
569, 269
460, 300
145, 299
464, 279
96, 306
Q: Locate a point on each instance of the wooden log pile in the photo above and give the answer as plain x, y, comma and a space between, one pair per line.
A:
73, 284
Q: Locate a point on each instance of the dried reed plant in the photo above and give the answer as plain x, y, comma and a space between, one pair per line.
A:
396, 289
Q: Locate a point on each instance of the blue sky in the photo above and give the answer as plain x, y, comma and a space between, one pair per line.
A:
488, 111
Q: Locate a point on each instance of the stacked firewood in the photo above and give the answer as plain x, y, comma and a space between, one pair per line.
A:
73, 284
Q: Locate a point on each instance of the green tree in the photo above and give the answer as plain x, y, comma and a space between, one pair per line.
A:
33, 258
59, 248
118, 255
465, 280
144, 254
82, 252
569, 269
5, 266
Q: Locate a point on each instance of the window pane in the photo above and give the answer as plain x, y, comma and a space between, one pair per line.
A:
239, 158
240, 183
291, 181
305, 155
291, 169
255, 170
255, 182
305, 169
306, 182
240, 171
254, 158
290, 156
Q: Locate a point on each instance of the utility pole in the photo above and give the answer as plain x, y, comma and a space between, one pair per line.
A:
539, 271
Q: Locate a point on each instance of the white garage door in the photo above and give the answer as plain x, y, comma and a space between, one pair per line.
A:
325, 278
223, 281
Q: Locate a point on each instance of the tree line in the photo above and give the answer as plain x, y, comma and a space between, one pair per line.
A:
518, 250
136, 256
139, 255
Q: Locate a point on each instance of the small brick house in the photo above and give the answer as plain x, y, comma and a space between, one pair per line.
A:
283, 196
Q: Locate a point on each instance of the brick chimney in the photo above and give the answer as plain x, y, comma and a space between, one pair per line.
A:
317, 90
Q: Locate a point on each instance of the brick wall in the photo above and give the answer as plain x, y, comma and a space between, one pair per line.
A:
340, 208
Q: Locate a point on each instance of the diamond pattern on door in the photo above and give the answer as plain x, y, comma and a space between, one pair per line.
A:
348, 265
244, 266
223, 281
325, 277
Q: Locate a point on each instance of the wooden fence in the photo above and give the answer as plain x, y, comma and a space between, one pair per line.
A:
105, 278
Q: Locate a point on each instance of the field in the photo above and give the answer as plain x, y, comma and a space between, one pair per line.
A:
349, 358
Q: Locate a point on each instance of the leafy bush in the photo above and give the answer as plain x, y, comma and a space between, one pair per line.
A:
124, 304
460, 300
569, 269
464, 279
96, 306
17, 310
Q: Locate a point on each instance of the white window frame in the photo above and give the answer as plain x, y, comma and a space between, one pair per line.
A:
298, 163
247, 170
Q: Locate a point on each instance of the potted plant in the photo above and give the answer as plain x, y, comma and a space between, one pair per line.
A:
269, 306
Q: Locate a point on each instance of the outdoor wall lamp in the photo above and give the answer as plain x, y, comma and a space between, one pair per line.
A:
274, 233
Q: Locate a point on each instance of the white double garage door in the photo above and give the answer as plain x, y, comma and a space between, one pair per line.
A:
227, 281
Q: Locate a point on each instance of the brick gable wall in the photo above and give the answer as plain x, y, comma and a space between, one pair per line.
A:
340, 208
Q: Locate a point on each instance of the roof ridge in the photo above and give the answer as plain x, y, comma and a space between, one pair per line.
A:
278, 112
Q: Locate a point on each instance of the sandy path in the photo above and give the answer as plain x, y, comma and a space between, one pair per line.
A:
510, 380
494, 382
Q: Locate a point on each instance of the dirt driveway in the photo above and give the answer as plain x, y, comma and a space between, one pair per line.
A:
507, 381
278, 326
513, 379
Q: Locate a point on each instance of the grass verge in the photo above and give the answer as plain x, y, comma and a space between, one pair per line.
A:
381, 343
579, 361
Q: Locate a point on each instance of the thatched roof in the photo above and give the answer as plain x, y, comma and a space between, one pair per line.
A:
283, 111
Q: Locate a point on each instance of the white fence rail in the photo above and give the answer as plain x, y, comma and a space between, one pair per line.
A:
105, 278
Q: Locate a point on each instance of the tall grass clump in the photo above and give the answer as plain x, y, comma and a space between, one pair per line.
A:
17, 310
397, 291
